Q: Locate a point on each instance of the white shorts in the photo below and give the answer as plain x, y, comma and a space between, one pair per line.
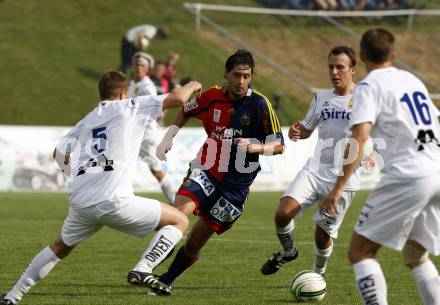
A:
400, 210
307, 189
135, 215
147, 153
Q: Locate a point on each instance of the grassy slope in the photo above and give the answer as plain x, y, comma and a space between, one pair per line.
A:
53, 52
228, 272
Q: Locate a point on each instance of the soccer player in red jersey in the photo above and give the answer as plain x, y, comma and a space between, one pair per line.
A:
241, 125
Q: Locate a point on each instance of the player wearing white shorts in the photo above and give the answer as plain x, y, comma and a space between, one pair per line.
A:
143, 85
403, 211
100, 155
330, 112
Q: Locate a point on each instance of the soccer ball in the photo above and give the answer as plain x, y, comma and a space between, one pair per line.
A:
308, 286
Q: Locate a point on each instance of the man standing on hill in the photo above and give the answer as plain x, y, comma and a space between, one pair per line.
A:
403, 211
104, 148
137, 39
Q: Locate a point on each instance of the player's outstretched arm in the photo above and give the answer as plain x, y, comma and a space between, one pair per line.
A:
167, 142
63, 161
181, 95
270, 148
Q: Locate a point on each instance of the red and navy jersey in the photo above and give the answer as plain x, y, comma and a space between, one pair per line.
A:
224, 121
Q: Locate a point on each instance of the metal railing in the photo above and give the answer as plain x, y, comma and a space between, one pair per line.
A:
197, 8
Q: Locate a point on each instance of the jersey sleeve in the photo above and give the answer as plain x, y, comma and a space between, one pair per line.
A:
270, 124
195, 107
312, 118
365, 105
68, 143
435, 110
147, 108
148, 89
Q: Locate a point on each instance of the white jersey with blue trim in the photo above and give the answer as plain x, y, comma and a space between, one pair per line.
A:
331, 113
145, 87
405, 122
105, 147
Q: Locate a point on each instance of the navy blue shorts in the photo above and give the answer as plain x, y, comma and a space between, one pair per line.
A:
219, 212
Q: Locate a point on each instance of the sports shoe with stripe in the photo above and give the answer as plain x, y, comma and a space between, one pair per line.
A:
277, 260
138, 278
160, 288
4, 301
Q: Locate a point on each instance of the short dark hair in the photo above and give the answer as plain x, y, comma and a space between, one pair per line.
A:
111, 84
338, 50
163, 32
240, 57
377, 45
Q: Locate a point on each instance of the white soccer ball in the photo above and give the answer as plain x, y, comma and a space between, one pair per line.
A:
308, 286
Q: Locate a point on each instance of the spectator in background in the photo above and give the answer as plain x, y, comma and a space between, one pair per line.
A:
170, 71
137, 39
142, 85
326, 4
345, 5
162, 83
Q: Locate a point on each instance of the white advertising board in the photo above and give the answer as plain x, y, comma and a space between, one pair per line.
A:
26, 162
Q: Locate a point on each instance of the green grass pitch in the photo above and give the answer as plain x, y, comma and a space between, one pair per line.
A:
227, 273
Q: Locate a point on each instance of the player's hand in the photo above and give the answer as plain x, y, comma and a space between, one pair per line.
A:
295, 131
167, 142
163, 148
369, 163
329, 204
197, 87
243, 144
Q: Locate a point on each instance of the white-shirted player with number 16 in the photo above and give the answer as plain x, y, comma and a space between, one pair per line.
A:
403, 211
103, 149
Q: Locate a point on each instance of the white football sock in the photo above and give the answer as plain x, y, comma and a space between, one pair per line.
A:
167, 189
161, 244
428, 283
370, 282
285, 235
321, 259
40, 266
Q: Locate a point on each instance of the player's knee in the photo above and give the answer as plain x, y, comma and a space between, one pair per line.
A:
287, 209
60, 249
414, 256
322, 238
182, 221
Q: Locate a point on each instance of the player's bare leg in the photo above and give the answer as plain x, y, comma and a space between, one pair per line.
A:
284, 225
188, 254
184, 204
424, 272
39, 268
323, 249
170, 229
370, 280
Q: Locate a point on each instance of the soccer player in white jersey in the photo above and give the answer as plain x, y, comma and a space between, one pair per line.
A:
102, 151
330, 112
403, 211
143, 85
